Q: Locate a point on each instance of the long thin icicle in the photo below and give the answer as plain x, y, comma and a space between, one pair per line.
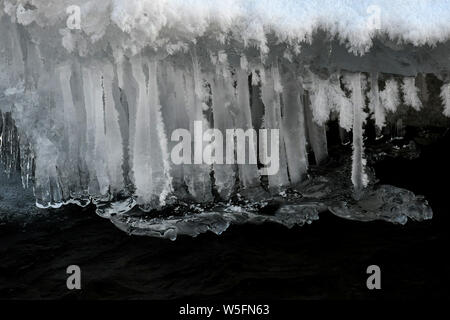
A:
271, 89
172, 96
72, 162
248, 173
224, 173
96, 140
114, 141
293, 127
197, 177
359, 177
375, 102
150, 161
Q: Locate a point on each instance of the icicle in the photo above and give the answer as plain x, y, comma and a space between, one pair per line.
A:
399, 129
14, 55
445, 96
375, 102
113, 136
150, 156
346, 115
326, 95
316, 134
197, 177
359, 177
390, 96
26, 162
71, 164
421, 83
47, 188
9, 144
272, 120
48, 151
317, 112
293, 127
248, 173
320, 105
410, 93
174, 113
224, 173
257, 106
96, 141
341, 104
129, 87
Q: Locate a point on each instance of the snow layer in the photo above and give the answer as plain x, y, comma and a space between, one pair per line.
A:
171, 24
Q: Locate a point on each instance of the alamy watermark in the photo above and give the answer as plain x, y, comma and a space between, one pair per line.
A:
374, 280
238, 146
74, 280
74, 19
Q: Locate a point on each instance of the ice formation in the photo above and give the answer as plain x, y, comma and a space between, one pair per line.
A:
91, 91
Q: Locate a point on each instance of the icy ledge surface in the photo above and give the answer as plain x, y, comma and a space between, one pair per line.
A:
386, 203
290, 208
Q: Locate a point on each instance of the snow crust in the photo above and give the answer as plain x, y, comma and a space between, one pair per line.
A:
172, 24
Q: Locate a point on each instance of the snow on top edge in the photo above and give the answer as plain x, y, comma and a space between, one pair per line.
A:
156, 22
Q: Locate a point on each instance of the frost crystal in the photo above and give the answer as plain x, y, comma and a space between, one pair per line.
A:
410, 92
445, 96
390, 96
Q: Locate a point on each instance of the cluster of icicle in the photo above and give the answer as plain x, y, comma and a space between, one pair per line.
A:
103, 127
96, 127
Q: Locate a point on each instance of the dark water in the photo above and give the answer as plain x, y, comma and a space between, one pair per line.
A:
324, 260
